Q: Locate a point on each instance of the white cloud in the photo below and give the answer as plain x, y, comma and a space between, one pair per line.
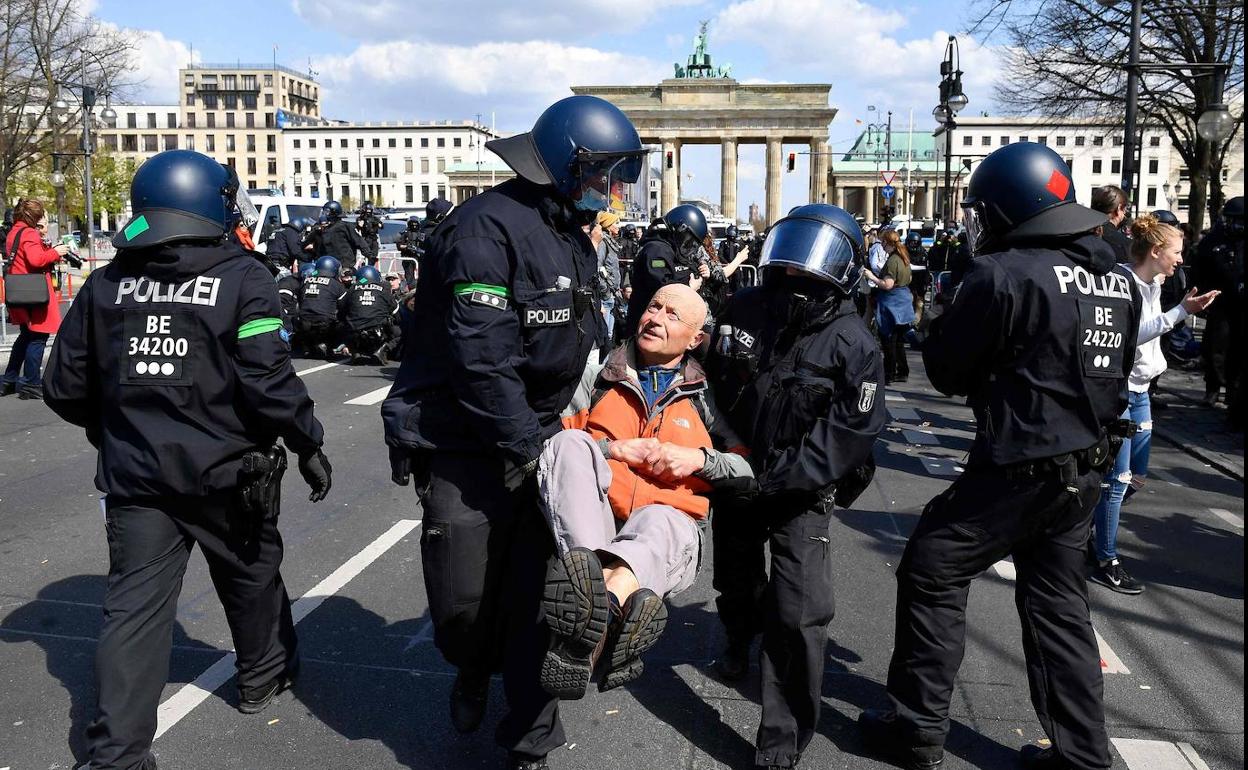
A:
748, 171
156, 62
499, 19
413, 80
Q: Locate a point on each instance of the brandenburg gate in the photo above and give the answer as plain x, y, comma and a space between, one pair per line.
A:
704, 105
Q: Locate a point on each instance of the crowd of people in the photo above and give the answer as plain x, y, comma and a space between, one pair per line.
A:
580, 406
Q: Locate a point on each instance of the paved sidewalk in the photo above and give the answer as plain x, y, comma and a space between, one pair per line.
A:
1199, 430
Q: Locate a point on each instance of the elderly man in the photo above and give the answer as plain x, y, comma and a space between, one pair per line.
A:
624, 489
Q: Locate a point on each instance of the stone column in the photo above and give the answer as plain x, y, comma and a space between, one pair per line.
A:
671, 176
775, 177
819, 160
928, 202
872, 206
728, 178
840, 197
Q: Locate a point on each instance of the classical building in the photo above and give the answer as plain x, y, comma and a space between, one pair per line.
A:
905, 159
701, 105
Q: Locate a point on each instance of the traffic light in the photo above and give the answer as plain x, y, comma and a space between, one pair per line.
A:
669, 159
792, 160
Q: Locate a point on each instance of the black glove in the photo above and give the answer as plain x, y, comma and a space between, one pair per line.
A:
515, 476
317, 472
400, 466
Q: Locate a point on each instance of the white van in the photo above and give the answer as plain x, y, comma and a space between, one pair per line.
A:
276, 210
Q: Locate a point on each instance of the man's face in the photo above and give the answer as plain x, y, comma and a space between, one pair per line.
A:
671, 323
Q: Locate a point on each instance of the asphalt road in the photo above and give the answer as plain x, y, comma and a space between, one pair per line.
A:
374, 688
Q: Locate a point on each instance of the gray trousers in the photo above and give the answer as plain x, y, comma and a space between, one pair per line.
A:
660, 544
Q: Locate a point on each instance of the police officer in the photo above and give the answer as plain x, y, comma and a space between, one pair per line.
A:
799, 377
1219, 264
289, 287
409, 245
285, 245
321, 297
920, 279
174, 360
670, 252
368, 312
367, 222
338, 237
1041, 337
504, 324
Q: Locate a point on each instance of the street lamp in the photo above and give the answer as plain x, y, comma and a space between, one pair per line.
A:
952, 101
87, 101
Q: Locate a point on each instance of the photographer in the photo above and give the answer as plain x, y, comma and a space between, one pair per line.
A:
25, 253
369, 225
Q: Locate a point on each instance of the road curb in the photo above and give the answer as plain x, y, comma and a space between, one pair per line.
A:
1188, 448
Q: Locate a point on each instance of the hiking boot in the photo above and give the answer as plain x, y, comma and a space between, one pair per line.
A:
1115, 578
734, 663
7, 388
883, 733
641, 622
524, 762
1033, 757
259, 698
468, 698
576, 608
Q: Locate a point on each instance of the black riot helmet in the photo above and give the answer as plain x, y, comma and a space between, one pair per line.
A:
687, 220
181, 195
730, 232
629, 231
333, 210
413, 223
913, 240
583, 146
1021, 192
1233, 216
820, 240
1166, 217
437, 209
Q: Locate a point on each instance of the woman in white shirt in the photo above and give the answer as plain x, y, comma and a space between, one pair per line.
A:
1156, 251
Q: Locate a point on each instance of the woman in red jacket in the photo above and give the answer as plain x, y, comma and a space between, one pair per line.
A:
30, 255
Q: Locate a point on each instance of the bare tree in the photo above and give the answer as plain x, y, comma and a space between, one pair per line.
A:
1066, 58
43, 42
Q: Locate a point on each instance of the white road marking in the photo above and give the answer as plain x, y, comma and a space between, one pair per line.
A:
1110, 662
320, 368
1158, 755
940, 466
191, 695
922, 437
1165, 476
1235, 521
372, 397
893, 397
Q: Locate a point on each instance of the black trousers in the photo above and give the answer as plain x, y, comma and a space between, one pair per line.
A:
149, 543
792, 608
485, 551
896, 366
1221, 351
983, 517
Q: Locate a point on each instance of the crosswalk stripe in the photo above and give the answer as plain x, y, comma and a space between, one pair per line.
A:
1158, 755
893, 397
322, 367
372, 397
940, 466
1235, 521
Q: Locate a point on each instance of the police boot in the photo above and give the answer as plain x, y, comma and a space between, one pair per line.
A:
30, 393
468, 697
885, 734
517, 761
257, 699
637, 627
734, 663
576, 608
1032, 757
7, 388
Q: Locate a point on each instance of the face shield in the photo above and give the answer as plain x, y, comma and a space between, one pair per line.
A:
977, 234
238, 205
601, 178
813, 247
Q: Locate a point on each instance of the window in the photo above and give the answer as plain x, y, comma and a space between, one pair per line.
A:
985, 141
212, 120
407, 167
966, 141
230, 162
1117, 141
1152, 167
1061, 141
229, 82
359, 142
424, 141
424, 167
311, 144
251, 165
1151, 197
1042, 140
1154, 141
329, 165
110, 142
458, 142
1115, 166
407, 142
424, 193
190, 141
130, 142
249, 101
268, 100
190, 79
210, 101
190, 120
346, 191
269, 122
456, 161
151, 120
344, 165
171, 120
1079, 140
270, 143
132, 120
441, 141
251, 142
441, 166
229, 143
268, 81
190, 99
407, 193
272, 166
151, 143
249, 82
229, 120
377, 142
1023, 138
229, 101
441, 191
1098, 141
1005, 140
171, 141
392, 142
342, 142
210, 143
1098, 165
298, 166
296, 143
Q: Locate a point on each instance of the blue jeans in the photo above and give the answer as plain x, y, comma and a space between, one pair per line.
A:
608, 310
1132, 461
28, 350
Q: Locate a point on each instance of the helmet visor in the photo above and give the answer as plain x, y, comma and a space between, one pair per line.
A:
976, 226
813, 247
601, 179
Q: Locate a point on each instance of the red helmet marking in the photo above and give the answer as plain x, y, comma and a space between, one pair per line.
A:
1058, 184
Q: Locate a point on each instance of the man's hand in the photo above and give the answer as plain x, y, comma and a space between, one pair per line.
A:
400, 466
695, 282
670, 462
318, 474
633, 451
704, 270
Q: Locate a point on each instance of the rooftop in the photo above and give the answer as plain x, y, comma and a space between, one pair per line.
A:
250, 66
914, 149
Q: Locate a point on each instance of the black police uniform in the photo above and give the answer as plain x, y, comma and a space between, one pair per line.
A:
1042, 340
289, 288
319, 303
501, 335
341, 239
285, 246
368, 311
175, 361
657, 264
1219, 264
801, 384
1118, 241
410, 246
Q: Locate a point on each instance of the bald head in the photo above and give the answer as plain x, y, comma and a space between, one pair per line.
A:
671, 325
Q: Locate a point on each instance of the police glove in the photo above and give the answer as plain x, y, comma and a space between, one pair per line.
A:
515, 476
400, 466
316, 471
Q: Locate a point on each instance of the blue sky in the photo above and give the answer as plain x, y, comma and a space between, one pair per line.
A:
399, 60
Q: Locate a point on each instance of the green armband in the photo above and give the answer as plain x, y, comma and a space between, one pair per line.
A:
259, 326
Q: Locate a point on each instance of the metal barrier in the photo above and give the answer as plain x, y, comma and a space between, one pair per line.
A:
749, 275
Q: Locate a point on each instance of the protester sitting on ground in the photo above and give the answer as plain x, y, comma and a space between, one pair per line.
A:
1156, 252
625, 491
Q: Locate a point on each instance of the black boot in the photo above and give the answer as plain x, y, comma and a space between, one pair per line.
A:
256, 700
734, 663
30, 393
884, 734
1033, 757
524, 762
468, 698
7, 388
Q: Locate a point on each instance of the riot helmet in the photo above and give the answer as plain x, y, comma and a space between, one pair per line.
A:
1233, 216
730, 232
328, 267
332, 210
413, 223
182, 195
307, 269
820, 240
629, 231
913, 240
367, 274
1020, 192
687, 220
437, 209
1166, 217
583, 146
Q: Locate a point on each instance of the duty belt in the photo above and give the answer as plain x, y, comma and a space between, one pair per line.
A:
1067, 466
